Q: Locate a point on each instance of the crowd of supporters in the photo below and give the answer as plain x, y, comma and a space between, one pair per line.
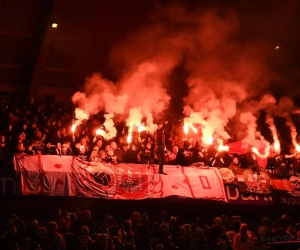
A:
45, 128
78, 230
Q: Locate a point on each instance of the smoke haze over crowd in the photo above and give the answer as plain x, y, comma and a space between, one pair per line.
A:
227, 77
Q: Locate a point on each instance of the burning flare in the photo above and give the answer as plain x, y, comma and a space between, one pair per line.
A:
100, 131
222, 147
129, 138
73, 128
276, 146
266, 153
208, 140
186, 128
141, 128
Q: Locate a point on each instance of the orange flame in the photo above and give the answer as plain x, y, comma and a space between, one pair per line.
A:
222, 147
297, 146
141, 128
73, 128
99, 132
265, 155
276, 146
186, 128
129, 138
208, 140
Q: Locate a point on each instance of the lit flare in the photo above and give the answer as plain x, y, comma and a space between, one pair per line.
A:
129, 138
222, 147
99, 131
277, 146
186, 128
297, 147
208, 140
141, 128
73, 128
265, 155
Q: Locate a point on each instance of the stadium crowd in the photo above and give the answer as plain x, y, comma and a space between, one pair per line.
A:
78, 230
45, 128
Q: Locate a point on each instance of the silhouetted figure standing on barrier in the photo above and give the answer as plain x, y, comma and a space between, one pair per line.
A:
160, 145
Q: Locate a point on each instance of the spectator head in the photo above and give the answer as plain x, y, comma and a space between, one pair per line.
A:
33, 225
25, 243
99, 143
82, 240
58, 145
175, 150
113, 145
224, 219
87, 215
107, 148
136, 217
117, 242
103, 240
125, 147
182, 231
163, 216
159, 247
102, 154
164, 229
41, 233
78, 211
82, 149
129, 246
243, 229
35, 246
265, 222
56, 240
73, 216
121, 140
2, 139
145, 218
52, 227
110, 152
20, 147
127, 225
218, 221
84, 231
83, 141
235, 160
64, 147
11, 229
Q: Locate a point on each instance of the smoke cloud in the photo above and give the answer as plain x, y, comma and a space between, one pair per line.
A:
225, 73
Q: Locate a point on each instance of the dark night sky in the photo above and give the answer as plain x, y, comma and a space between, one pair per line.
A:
274, 23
